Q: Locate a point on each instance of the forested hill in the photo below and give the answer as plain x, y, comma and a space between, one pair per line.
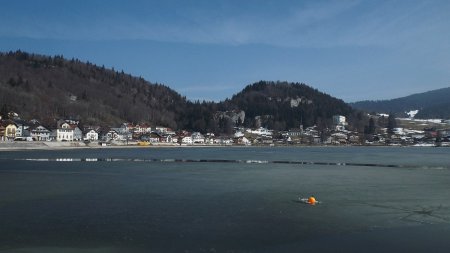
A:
431, 104
285, 105
50, 88
46, 88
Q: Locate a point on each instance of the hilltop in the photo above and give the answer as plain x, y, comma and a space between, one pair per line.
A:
48, 88
283, 105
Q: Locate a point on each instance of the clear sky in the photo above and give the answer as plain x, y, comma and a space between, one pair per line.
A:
211, 49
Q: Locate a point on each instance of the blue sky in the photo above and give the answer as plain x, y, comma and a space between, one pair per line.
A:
211, 49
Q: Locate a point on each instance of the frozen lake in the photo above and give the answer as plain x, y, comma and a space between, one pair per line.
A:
225, 200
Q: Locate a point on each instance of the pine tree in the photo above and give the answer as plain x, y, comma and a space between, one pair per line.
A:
392, 123
370, 129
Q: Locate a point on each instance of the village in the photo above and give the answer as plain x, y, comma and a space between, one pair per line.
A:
71, 133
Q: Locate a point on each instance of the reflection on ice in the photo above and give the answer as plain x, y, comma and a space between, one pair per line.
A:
170, 160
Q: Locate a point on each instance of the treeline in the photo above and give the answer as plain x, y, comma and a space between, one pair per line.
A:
49, 88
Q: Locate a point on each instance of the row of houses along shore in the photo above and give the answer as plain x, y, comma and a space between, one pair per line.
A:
16, 129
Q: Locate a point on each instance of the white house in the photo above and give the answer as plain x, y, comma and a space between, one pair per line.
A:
197, 138
91, 135
64, 132
187, 140
40, 133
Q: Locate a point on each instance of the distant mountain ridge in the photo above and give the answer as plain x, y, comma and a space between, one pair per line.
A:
49, 88
431, 104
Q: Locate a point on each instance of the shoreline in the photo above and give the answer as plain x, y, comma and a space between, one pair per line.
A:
36, 145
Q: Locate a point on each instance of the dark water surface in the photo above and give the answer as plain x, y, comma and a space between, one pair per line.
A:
225, 200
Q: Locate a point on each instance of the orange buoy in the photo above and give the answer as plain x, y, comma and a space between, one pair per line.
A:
312, 200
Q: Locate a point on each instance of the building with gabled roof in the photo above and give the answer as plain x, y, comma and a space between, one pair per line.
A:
65, 132
40, 133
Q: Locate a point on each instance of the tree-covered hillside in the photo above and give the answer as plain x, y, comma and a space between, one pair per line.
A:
46, 88
431, 104
288, 105
50, 88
